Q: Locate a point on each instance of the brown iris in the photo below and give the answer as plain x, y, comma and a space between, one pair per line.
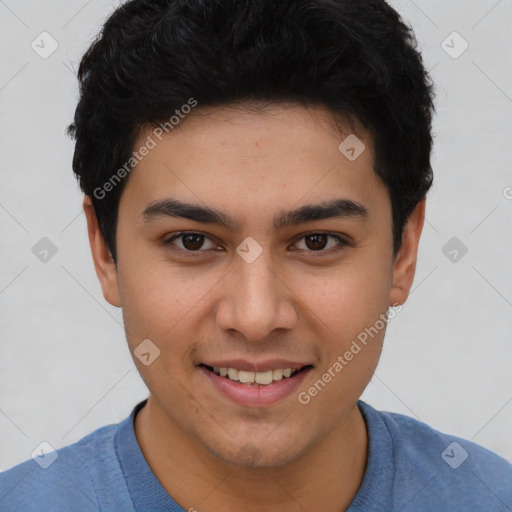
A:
192, 241
318, 241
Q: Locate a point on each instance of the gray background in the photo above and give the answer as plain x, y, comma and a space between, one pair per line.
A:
64, 366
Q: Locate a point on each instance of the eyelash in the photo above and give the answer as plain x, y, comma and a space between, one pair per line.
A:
342, 243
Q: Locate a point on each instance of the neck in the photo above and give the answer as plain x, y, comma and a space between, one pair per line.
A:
325, 478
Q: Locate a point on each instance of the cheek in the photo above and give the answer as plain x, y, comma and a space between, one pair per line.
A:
349, 300
159, 301
351, 306
352, 322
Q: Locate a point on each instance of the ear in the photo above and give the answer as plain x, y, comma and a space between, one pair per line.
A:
103, 262
405, 261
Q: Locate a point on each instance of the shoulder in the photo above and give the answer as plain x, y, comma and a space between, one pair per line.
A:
66, 479
441, 469
420, 442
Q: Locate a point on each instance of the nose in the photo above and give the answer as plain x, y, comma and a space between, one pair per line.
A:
256, 300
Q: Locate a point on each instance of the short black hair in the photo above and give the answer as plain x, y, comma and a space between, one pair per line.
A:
358, 58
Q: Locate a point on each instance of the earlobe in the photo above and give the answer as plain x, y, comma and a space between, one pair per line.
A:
405, 263
103, 262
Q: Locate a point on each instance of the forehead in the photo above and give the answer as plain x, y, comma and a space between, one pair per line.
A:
241, 160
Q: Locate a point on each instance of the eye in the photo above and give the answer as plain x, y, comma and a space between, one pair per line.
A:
319, 242
190, 242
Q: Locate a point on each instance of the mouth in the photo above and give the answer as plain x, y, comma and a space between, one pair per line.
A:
250, 388
251, 378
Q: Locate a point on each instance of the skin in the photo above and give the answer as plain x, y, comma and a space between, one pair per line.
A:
292, 302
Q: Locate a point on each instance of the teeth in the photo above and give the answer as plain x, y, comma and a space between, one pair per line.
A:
262, 378
277, 374
233, 374
245, 377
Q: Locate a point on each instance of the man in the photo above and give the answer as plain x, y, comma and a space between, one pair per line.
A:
255, 177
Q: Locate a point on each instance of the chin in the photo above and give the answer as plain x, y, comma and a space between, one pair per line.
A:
258, 454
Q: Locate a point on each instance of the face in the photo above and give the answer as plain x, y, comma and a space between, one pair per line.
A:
283, 261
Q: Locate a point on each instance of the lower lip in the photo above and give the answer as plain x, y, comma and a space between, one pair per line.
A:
254, 395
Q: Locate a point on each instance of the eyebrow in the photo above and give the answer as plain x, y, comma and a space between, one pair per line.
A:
332, 209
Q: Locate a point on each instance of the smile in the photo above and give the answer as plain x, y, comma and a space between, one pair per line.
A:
256, 378
250, 388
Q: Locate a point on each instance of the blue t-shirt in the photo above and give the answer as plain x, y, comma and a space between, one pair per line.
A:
411, 468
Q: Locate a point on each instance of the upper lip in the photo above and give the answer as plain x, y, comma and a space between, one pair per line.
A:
260, 366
